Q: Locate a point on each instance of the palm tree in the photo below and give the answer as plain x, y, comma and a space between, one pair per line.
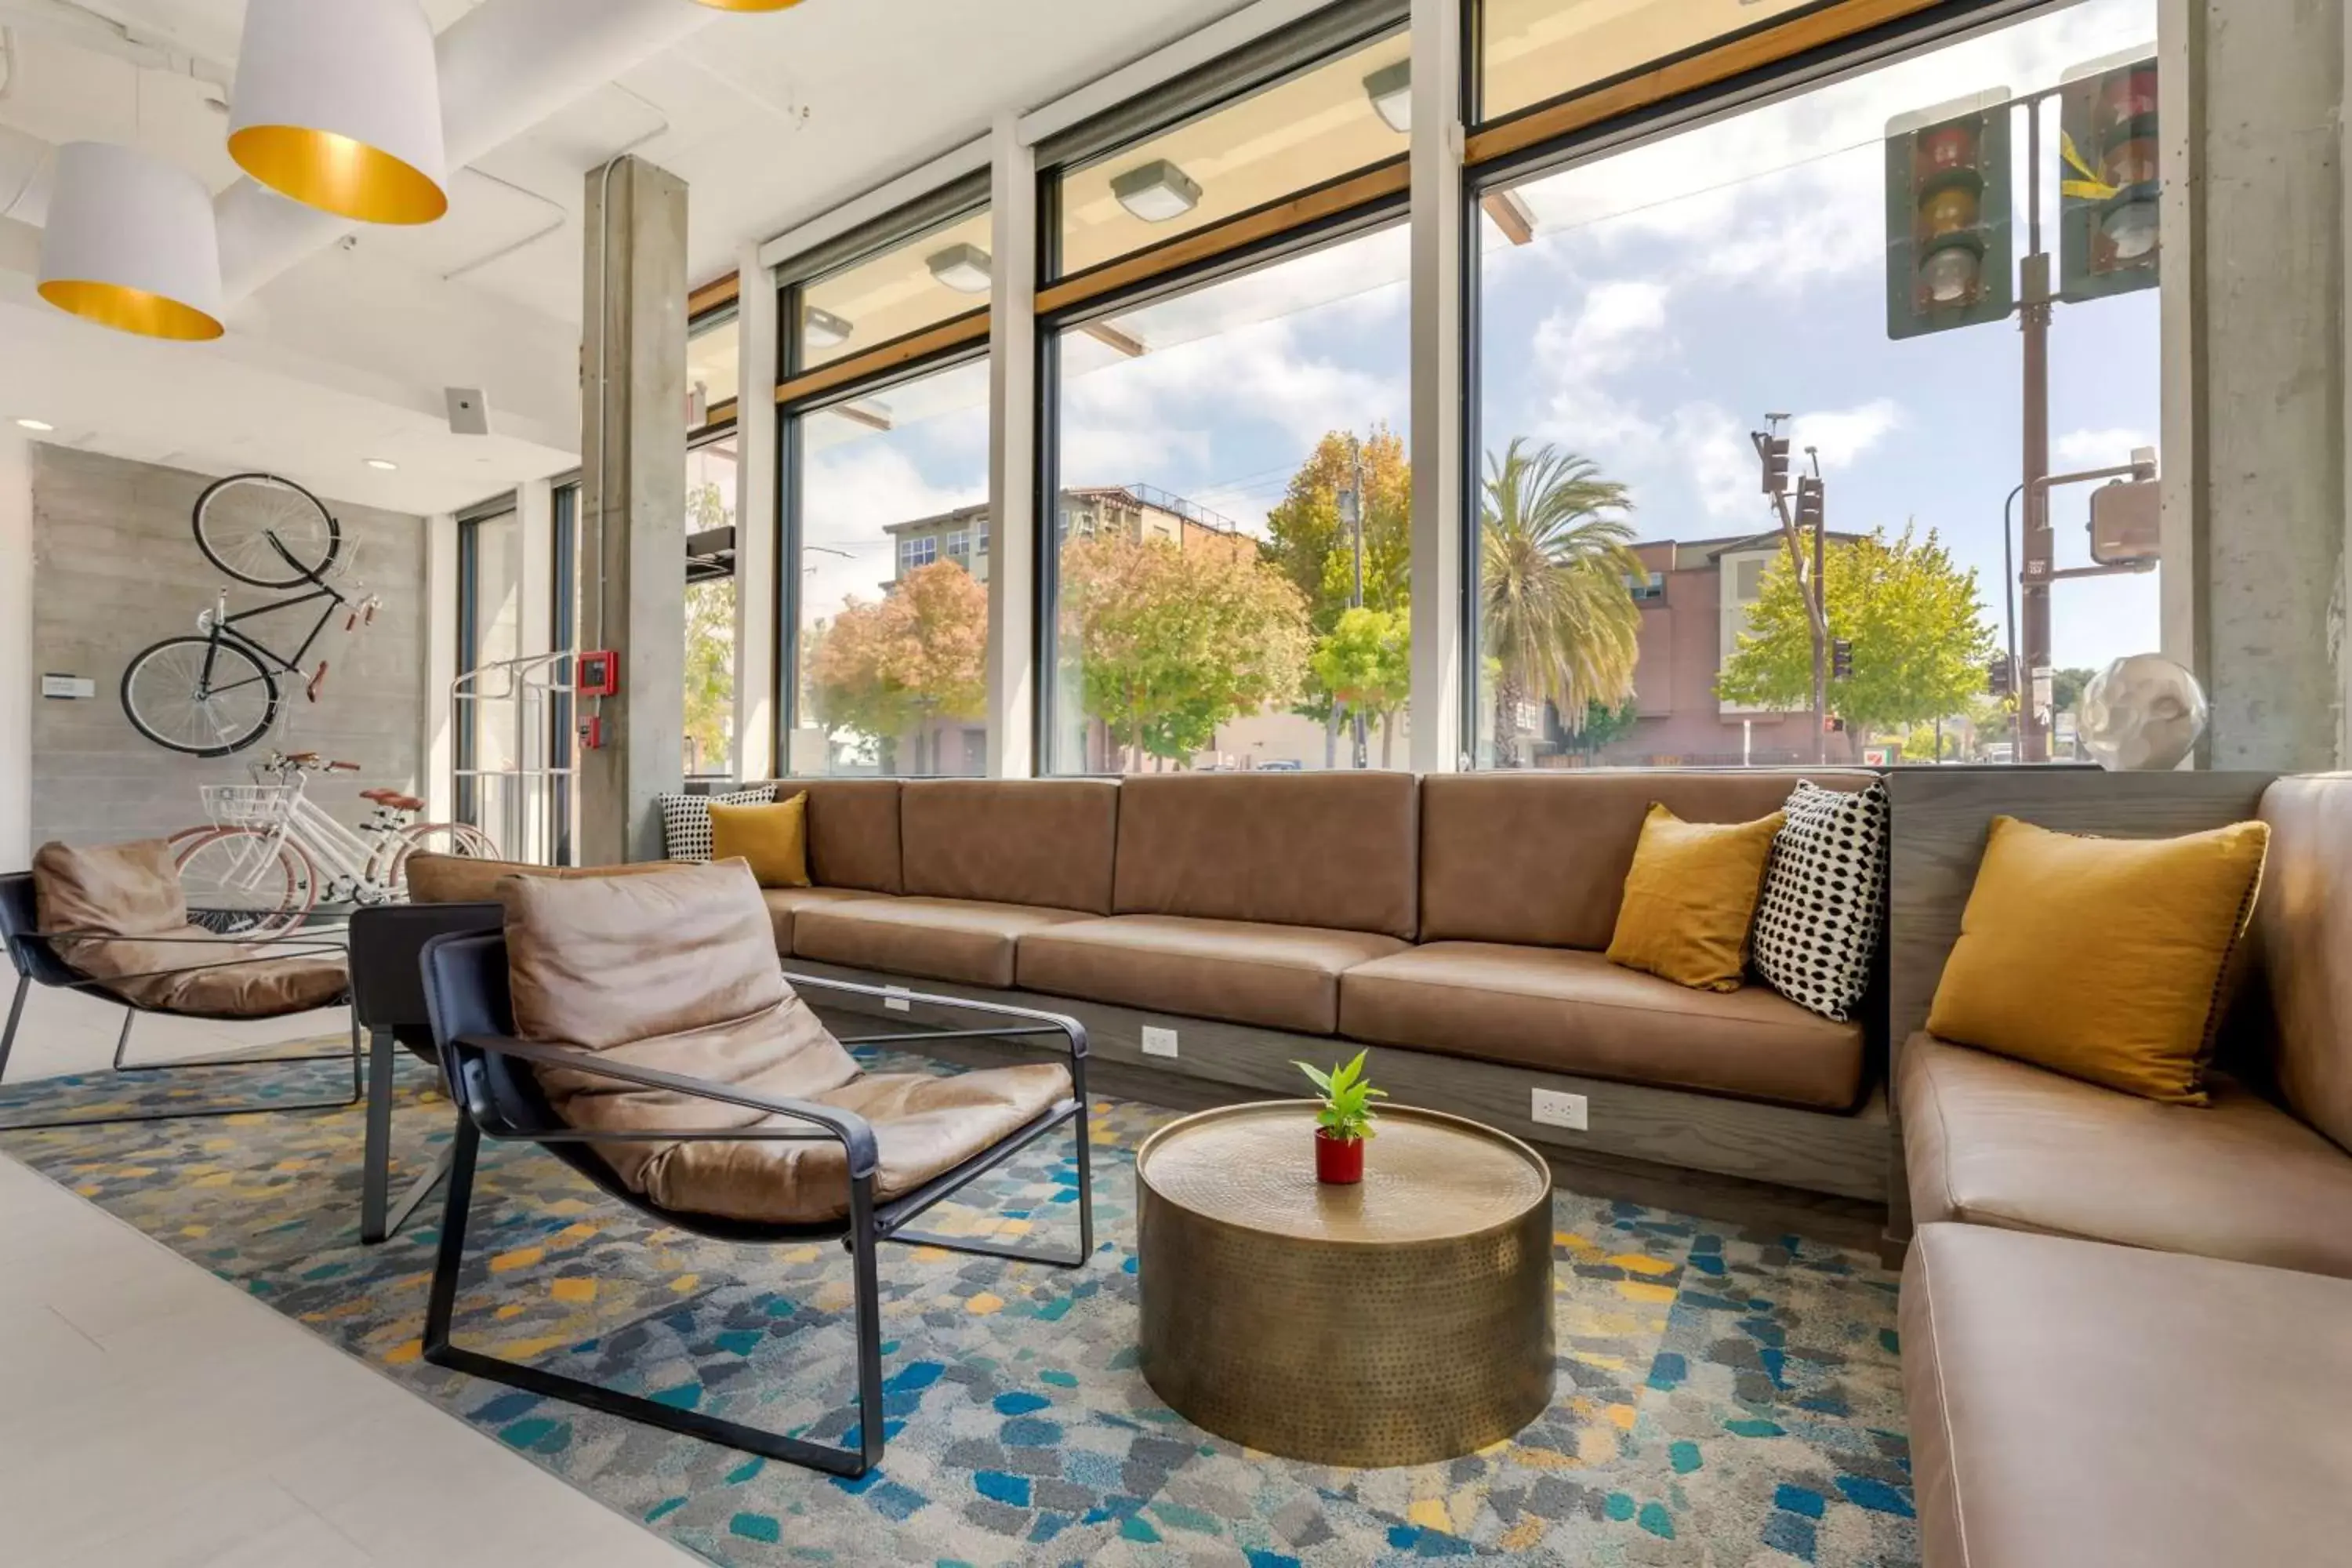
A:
1559, 620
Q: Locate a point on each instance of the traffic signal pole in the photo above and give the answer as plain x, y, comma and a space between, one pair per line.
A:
2041, 545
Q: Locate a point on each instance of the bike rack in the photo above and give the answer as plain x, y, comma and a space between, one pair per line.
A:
527, 798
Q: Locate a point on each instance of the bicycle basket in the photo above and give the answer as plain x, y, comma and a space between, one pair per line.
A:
249, 806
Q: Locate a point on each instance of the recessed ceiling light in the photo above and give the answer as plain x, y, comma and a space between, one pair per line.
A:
962, 267
38, 426
823, 330
1390, 89
383, 465
1157, 192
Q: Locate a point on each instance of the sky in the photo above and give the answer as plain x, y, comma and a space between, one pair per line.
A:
1675, 294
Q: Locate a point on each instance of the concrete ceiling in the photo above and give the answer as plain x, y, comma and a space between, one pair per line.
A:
770, 120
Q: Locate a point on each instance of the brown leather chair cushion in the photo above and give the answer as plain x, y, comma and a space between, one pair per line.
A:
2074, 1406
1995, 1142
1560, 1010
1283, 977
1046, 842
1335, 850
133, 890
2304, 925
852, 832
462, 880
678, 972
1540, 858
937, 939
783, 903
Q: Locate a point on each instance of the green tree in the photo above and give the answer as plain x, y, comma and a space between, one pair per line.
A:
1604, 725
1365, 661
1919, 634
1309, 542
2066, 688
918, 656
709, 645
1172, 642
1555, 553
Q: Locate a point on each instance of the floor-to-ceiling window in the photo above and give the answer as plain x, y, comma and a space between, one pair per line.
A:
563, 625
1800, 331
886, 443
713, 351
489, 631
1228, 503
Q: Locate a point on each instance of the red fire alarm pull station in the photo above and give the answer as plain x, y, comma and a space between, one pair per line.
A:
597, 674
592, 733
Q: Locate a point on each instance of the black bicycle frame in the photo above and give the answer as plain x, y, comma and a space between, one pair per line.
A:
225, 626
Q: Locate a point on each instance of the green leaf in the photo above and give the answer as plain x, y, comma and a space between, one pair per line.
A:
1321, 1079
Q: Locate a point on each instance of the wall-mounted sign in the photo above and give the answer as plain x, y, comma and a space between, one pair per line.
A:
69, 687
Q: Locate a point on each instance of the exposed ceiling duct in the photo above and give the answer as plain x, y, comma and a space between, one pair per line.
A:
504, 66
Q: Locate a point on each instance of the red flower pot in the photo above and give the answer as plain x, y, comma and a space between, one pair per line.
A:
1338, 1161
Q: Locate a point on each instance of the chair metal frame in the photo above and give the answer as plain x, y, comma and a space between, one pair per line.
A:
498, 1099
34, 954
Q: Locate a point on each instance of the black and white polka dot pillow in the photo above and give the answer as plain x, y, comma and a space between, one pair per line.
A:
686, 820
1819, 921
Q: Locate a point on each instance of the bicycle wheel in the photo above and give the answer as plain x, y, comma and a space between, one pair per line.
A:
390, 870
200, 697
237, 518
248, 881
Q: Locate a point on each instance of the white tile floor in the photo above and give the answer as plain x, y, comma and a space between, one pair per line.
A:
154, 1416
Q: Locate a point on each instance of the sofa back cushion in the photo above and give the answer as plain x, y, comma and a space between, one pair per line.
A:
1538, 859
1045, 842
1335, 850
463, 880
2305, 923
853, 833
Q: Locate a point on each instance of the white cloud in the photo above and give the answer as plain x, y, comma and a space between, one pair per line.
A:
1843, 435
1721, 462
2097, 449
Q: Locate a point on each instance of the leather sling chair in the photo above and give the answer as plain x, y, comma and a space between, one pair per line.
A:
113, 923
388, 1008
625, 993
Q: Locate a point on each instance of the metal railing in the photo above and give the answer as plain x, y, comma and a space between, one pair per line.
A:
525, 798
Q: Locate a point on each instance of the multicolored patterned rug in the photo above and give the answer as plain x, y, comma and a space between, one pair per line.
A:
1724, 1398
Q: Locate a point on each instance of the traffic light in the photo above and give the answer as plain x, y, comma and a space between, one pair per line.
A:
2110, 232
2003, 678
1833, 725
1842, 659
1950, 257
1810, 502
1775, 449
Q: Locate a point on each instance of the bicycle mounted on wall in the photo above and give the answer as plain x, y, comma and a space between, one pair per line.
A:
215, 692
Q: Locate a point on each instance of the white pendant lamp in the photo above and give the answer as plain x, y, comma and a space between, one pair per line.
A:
338, 105
130, 245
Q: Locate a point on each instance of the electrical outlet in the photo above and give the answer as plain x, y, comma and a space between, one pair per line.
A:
1158, 1042
898, 1000
1553, 1109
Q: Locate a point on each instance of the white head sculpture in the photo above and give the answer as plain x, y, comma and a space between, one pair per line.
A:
2142, 714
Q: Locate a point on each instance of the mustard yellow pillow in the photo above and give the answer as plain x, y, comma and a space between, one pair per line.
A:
774, 838
2104, 959
1691, 898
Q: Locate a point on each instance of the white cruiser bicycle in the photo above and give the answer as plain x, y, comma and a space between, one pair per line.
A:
270, 856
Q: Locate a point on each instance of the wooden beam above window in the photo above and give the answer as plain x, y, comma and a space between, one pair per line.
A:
719, 291
948, 336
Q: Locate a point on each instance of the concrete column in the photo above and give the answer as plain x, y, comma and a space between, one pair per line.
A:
2254, 359
18, 678
1439, 576
1013, 540
633, 503
757, 541
440, 785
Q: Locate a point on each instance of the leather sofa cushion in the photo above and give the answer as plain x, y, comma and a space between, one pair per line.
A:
1560, 1010
1540, 858
1046, 842
1994, 1141
677, 973
1335, 850
133, 891
1279, 976
852, 832
2073, 1405
783, 903
937, 939
463, 880
2303, 923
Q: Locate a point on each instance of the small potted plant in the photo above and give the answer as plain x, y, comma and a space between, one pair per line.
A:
1343, 1122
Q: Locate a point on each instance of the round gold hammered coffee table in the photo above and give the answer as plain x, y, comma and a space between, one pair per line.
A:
1403, 1321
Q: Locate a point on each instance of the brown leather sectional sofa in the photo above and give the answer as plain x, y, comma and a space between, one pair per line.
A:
2127, 1327
1462, 916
